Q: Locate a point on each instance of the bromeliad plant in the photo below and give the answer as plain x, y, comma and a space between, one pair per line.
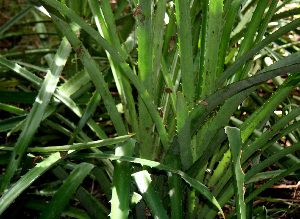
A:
190, 78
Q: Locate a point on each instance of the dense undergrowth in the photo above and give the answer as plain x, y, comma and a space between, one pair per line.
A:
138, 109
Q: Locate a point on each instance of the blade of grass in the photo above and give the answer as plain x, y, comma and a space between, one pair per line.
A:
90, 108
121, 181
15, 19
76, 146
235, 144
62, 197
36, 113
256, 169
169, 31
266, 136
68, 88
104, 182
186, 50
231, 17
250, 35
158, 39
79, 112
94, 207
111, 26
79, 80
183, 130
215, 129
168, 82
261, 33
145, 37
148, 191
272, 182
21, 71
13, 192
249, 189
286, 14
203, 36
258, 144
175, 187
212, 47
8, 124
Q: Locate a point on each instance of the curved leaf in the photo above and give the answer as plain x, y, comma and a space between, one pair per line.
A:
62, 197
13, 192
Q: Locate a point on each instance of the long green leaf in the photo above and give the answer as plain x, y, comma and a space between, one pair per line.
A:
158, 40
212, 46
76, 146
215, 130
266, 136
22, 71
90, 203
94, 207
121, 181
13, 192
175, 187
235, 144
184, 133
256, 169
232, 13
62, 197
145, 41
15, 19
147, 189
91, 106
186, 50
250, 34
202, 50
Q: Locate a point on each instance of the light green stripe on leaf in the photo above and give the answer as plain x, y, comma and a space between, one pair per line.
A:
121, 181
37, 112
148, 191
76, 146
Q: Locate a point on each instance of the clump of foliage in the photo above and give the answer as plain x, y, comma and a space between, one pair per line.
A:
134, 108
